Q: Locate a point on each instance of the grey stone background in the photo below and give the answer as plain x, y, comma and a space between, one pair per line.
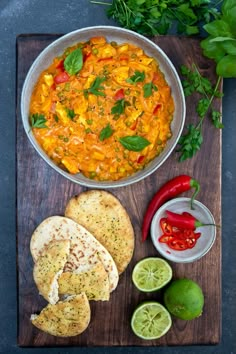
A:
62, 16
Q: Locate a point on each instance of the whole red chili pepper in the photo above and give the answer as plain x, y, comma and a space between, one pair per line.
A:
183, 221
169, 190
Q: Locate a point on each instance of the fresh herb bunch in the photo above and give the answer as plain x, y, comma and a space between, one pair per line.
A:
152, 17
194, 82
220, 45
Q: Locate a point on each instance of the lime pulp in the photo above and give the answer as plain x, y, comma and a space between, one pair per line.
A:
151, 274
150, 320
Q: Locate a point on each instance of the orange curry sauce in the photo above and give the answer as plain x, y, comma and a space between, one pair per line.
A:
109, 119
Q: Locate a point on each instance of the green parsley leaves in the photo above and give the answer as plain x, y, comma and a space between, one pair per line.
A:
119, 108
193, 83
96, 88
137, 77
38, 121
152, 17
148, 88
74, 62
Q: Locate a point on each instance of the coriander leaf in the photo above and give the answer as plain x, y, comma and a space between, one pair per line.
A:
202, 107
190, 143
134, 142
216, 119
38, 120
74, 62
119, 107
153, 17
96, 87
106, 132
147, 89
137, 77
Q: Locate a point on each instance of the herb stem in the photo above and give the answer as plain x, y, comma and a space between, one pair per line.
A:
210, 99
101, 3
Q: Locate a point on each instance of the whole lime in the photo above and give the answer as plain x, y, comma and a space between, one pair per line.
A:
184, 299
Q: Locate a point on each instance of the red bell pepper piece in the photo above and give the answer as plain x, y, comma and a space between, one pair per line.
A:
119, 95
60, 65
86, 56
61, 77
140, 159
156, 109
104, 59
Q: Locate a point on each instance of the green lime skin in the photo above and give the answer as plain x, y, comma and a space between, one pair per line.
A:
184, 299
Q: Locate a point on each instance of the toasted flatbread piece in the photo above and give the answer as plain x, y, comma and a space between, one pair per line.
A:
66, 318
84, 248
102, 214
49, 266
94, 283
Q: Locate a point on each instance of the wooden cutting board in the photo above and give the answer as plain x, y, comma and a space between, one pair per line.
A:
42, 192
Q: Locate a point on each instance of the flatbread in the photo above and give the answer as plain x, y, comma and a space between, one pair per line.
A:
84, 248
102, 214
66, 318
48, 268
94, 283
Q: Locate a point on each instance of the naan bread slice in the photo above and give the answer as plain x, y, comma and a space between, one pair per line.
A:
49, 266
94, 282
102, 214
66, 318
84, 247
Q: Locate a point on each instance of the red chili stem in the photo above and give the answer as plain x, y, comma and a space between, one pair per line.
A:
169, 190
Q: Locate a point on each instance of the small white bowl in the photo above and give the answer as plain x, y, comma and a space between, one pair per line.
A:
204, 243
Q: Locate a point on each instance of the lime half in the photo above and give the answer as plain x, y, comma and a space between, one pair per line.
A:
150, 320
151, 274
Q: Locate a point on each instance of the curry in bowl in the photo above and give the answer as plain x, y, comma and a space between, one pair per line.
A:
102, 109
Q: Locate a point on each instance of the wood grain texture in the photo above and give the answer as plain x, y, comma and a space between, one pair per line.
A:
42, 192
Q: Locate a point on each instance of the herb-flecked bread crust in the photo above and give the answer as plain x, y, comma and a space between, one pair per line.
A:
102, 214
66, 318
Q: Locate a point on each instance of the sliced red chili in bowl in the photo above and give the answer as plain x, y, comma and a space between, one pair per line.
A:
166, 228
177, 245
165, 238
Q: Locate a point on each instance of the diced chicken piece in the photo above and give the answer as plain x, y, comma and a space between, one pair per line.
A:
121, 74
106, 51
48, 79
61, 113
122, 48
80, 105
70, 165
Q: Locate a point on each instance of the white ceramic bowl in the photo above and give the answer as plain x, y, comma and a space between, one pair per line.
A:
204, 243
120, 36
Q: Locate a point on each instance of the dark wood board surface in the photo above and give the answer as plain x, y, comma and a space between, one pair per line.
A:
42, 192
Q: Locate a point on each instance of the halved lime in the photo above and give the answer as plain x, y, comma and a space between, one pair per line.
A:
151, 274
150, 320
